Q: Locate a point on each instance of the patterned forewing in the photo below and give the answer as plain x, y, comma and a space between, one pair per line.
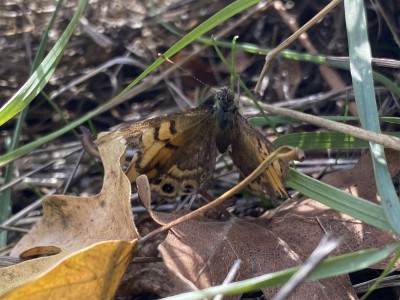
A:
177, 151
189, 168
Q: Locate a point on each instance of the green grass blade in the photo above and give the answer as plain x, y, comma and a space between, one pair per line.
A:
393, 120
316, 59
363, 84
258, 121
43, 43
323, 140
6, 196
42, 74
320, 140
229, 11
11, 156
358, 208
215, 20
388, 269
329, 267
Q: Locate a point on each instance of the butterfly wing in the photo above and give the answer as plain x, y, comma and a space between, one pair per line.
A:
249, 150
177, 151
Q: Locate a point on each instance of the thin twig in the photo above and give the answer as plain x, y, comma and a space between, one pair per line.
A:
284, 152
16, 229
230, 277
326, 246
74, 171
366, 135
23, 212
22, 177
330, 75
274, 52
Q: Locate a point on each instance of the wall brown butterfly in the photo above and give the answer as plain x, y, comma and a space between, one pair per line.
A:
177, 151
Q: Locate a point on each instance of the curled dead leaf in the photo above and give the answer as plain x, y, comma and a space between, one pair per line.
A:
202, 251
76, 276
71, 223
76, 222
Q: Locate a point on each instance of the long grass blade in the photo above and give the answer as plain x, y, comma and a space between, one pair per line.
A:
229, 11
359, 208
43, 72
330, 267
363, 84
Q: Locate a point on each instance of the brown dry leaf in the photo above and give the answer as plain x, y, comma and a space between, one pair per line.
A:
79, 275
76, 222
314, 217
360, 180
73, 223
202, 251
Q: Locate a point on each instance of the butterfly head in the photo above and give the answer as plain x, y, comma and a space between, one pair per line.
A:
225, 107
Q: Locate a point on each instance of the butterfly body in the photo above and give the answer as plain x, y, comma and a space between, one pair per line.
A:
177, 151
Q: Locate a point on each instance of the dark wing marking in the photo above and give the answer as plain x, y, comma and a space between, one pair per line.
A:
176, 151
249, 149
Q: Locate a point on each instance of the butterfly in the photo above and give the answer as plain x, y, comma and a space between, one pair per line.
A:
178, 151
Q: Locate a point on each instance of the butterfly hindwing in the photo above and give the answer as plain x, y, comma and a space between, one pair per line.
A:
249, 150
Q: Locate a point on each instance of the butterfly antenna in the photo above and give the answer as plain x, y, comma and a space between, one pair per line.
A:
186, 72
238, 89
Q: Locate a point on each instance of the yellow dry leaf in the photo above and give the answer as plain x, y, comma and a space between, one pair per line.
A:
91, 273
72, 223
76, 222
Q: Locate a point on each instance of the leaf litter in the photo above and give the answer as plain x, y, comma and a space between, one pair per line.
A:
301, 217
200, 251
74, 225
203, 250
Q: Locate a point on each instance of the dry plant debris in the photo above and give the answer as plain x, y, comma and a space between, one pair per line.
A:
86, 230
202, 251
83, 229
76, 276
198, 252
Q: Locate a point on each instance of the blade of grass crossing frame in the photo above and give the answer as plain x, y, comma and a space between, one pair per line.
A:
42, 74
329, 267
323, 140
388, 269
233, 71
361, 73
226, 13
316, 59
320, 140
359, 208
221, 16
6, 196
